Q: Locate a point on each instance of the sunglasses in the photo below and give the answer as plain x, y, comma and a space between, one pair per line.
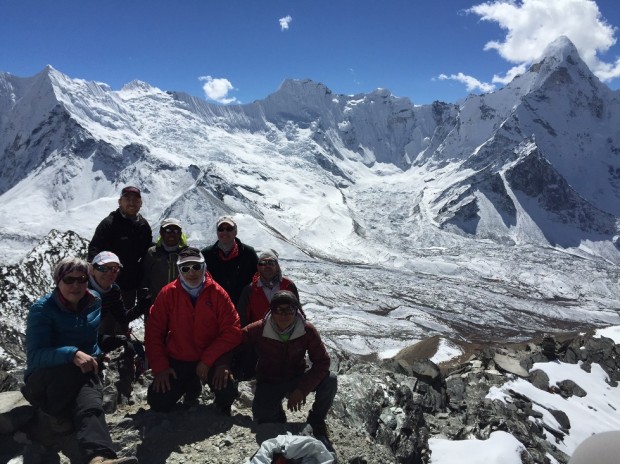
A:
69, 280
194, 267
102, 268
225, 229
268, 262
172, 230
284, 310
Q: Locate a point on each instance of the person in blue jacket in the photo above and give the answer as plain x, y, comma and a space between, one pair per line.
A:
62, 360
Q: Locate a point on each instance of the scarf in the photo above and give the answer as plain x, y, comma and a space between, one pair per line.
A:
231, 253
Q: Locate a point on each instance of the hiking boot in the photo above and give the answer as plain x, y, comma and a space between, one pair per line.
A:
125, 460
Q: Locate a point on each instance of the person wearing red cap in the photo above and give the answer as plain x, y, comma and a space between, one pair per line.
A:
127, 234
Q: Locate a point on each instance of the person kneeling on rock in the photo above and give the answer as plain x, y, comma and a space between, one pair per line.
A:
190, 334
281, 341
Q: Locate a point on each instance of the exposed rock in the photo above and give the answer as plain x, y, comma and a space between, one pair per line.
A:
383, 412
510, 364
15, 412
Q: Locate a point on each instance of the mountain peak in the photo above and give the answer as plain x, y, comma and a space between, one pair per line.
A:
138, 86
560, 52
561, 49
303, 87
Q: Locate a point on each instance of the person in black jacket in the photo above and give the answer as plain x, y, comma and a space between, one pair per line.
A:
128, 235
114, 330
232, 264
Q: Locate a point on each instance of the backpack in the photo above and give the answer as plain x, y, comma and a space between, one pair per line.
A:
293, 449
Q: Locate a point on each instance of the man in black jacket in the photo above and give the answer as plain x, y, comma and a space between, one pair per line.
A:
128, 235
231, 263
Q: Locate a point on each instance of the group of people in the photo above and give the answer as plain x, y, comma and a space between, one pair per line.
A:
212, 316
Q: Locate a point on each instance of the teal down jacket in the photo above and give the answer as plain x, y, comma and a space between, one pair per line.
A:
54, 333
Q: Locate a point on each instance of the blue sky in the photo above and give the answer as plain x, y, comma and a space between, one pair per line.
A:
237, 51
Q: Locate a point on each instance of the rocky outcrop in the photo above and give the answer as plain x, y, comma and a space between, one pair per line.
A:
385, 412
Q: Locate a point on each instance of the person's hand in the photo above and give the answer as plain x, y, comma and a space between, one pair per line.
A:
221, 376
161, 384
296, 400
85, 362
202, 371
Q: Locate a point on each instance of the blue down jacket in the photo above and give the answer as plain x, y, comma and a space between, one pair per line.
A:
54, 334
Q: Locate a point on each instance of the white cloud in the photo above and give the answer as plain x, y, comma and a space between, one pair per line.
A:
531, 25
284, 22
510, 74
471, 83
217, 89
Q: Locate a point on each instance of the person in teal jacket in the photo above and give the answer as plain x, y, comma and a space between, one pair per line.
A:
62, 360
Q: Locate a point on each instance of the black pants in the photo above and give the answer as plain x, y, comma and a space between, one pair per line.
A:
187, 383
64, 391
267, 404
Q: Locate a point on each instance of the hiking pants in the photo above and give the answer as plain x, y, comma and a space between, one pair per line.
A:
187, 383
64, 391
267, 404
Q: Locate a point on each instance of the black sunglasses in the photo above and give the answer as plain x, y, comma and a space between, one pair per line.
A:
172, 230
284, 310
69, 280
195, 267
268, 262
225, 229
102, 268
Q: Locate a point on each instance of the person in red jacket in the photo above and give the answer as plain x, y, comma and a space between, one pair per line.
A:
253, 305
190, 332
282, 340
255, 297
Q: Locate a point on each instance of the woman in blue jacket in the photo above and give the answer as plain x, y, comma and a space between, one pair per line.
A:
62, 371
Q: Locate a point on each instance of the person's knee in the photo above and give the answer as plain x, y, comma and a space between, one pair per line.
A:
329, 385
160, 402
263, 414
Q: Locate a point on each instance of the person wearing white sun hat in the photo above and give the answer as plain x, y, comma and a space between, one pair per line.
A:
190, 334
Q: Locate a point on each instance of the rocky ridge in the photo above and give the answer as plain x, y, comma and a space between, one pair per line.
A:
385, 412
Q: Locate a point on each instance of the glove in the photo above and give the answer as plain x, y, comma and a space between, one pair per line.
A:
142, 306
111, 342
144, 299
111, 302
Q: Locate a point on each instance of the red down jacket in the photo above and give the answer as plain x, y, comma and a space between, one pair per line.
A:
178, 329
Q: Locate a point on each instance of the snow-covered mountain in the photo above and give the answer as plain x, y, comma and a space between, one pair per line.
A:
396, 220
